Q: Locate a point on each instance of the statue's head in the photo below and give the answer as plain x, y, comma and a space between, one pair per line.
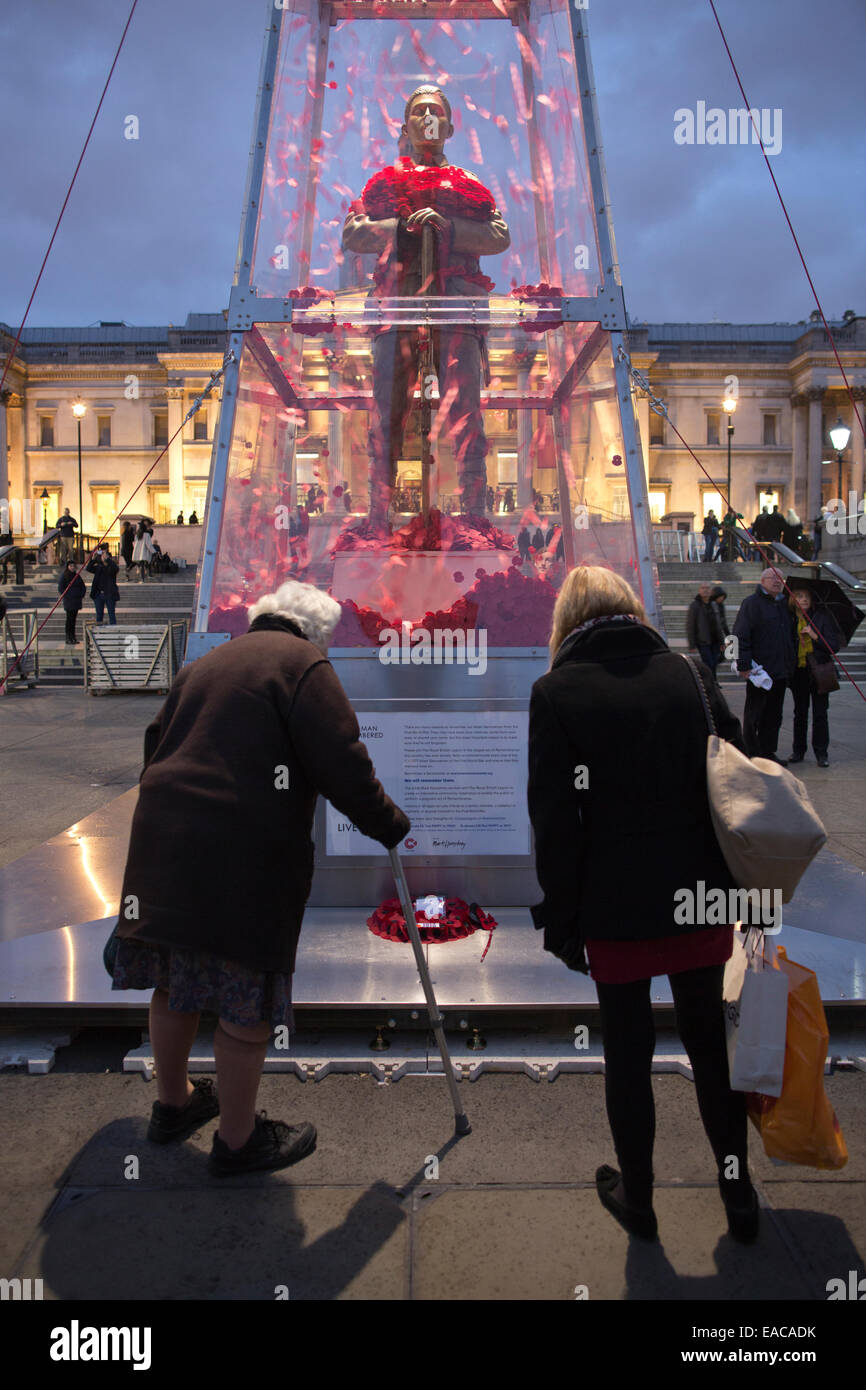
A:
427, 119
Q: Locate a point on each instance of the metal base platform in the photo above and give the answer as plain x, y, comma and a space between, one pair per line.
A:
58, 905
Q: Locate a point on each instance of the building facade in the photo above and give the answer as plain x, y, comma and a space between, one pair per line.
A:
136, 385
790, 394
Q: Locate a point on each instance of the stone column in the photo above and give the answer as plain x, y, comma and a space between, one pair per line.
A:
175, 451
815, 397
332, 474
857, 444
524, 433
799, 465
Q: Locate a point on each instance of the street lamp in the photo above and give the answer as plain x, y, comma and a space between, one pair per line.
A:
729, 405
839, 436
79, 410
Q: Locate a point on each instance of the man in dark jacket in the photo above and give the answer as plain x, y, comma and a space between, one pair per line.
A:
71, 586
104, 590
764, 630
703, 628
221, 853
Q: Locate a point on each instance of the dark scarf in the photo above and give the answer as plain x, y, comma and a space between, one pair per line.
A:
271, 622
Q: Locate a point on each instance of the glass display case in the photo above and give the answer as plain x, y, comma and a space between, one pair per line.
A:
428, 413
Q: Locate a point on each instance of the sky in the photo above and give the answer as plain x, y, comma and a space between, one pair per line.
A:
151, 229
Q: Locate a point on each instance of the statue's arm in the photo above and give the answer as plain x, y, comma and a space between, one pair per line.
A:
480, 238
362, 235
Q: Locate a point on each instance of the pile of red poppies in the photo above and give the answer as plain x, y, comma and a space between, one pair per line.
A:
461, 919
459, 533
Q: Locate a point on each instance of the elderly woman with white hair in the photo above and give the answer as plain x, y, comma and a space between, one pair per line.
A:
220, 862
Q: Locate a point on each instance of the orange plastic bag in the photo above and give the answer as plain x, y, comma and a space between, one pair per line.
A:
801, 1126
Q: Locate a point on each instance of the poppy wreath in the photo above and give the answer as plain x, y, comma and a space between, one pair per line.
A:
461, 919
545, 296
404, 187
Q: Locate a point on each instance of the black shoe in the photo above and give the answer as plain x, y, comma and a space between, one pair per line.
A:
637, 1223
823, 762
171, 1122
271, 1145
797, 758
743, 1222
772, 758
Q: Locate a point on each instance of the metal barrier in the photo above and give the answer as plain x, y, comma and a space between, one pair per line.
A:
132, 656
17, 629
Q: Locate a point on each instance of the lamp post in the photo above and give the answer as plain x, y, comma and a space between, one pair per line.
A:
839, 436
78, 410
44, 499
729, 405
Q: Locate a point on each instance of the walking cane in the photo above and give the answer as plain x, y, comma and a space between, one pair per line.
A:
461, 1122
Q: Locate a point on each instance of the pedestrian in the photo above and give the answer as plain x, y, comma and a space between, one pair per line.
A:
765, 637
127, 544
302, 543
221, 861
104, 590
142, 552
817, 534
538, 540
72, 587
66, 540
812, 624
549, 534
523, 543
729, 549
347, 499
193, 519
703, 628
718, 596
179, 521
615, 845
6, 538
775, 527
508, 501
710, 533
792, 531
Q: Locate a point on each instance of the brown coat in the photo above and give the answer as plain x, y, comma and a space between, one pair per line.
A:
221, 855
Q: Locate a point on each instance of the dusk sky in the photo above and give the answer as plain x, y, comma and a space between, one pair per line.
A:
150, 232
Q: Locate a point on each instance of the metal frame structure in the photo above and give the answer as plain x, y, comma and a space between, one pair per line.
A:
247, 308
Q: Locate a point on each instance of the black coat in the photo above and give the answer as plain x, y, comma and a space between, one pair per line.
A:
703, 624
610, 857
221, 854
829, 629
765, 630
104, 578
73, 598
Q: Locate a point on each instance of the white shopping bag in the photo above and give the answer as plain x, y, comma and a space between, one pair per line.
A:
756, 1012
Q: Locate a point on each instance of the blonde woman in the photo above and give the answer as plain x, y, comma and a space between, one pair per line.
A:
618, 802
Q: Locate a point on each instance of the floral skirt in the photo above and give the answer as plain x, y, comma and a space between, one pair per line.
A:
197, 981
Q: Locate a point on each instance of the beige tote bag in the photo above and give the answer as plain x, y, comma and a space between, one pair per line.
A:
767, 828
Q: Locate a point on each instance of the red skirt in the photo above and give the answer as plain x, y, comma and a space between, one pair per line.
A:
622, 962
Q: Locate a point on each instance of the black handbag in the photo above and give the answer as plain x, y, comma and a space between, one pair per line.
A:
822, 675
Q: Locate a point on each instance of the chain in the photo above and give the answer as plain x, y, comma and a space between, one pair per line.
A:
656, 404
214, 378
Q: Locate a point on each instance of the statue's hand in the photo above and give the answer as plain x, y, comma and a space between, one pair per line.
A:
427, 217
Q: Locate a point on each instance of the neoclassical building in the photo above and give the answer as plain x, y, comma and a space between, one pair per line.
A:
138, 383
